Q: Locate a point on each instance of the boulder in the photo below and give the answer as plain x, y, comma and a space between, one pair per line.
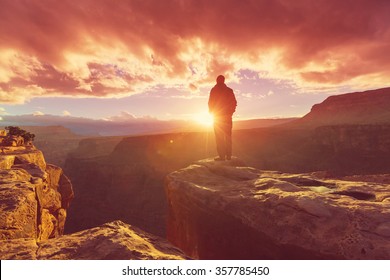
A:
223, 210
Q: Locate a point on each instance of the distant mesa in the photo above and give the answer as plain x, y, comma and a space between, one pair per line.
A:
223, 210
368, 107
52, 132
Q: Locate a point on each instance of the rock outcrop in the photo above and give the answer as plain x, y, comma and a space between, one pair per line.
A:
34, 196
225, 210
111, 241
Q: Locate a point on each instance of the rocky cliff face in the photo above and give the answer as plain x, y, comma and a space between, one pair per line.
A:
367, 139
34, 196
224, 210
353, 149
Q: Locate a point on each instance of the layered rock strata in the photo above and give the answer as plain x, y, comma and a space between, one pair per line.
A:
34, 196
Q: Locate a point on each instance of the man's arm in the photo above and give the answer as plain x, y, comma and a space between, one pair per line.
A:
233, 102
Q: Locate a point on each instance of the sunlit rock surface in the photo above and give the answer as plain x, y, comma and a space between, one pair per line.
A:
225, 210
111, 241
34, 195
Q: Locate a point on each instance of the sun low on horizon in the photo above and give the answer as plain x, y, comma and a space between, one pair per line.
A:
133, 61
205, 119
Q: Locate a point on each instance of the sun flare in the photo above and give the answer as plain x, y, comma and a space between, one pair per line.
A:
204, 119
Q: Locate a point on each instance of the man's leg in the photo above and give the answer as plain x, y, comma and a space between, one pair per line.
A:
220, 138
228, 137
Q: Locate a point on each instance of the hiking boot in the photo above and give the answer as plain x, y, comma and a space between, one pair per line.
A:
219, 159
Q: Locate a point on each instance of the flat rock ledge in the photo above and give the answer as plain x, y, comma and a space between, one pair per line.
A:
226, 210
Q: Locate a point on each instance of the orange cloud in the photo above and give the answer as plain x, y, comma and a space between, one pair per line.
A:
100, 48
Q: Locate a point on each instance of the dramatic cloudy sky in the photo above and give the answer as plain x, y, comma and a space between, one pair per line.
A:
118, 59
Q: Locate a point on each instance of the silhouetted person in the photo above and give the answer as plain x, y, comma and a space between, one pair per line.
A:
222, 104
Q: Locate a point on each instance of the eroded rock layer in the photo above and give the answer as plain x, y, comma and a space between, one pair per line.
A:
34, 195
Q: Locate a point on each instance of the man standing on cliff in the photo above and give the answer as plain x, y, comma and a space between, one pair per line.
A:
222, 104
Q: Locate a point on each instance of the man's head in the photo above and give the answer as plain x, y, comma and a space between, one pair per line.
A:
220, 79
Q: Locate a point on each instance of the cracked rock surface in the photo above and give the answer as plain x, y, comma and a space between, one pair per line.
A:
34, 196
226, 210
